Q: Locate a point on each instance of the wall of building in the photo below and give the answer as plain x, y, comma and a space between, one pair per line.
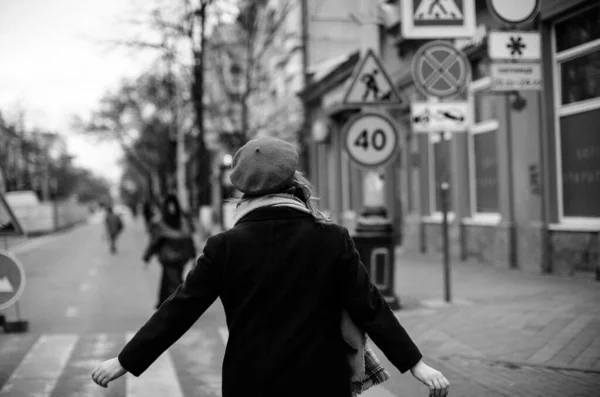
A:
501, 159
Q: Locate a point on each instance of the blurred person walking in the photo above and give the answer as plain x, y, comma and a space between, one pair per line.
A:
298, 301
147, 213
171, 240
114, 226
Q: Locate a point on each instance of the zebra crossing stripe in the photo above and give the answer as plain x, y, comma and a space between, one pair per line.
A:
38, 373
158, 381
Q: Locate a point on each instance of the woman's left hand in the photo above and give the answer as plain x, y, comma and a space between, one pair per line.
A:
108, 371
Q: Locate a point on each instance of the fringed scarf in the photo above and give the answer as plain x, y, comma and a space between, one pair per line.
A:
366, 369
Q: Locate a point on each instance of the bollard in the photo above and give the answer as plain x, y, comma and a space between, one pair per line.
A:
374, 241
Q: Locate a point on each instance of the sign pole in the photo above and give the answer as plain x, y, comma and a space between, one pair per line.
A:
444, 195
444, 187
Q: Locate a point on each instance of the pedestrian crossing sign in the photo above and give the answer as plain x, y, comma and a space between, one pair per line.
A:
371, 85
438, 19
9, 225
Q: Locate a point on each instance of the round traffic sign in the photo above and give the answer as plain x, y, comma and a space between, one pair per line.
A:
12, 279
440, 70
371, 139
514, 12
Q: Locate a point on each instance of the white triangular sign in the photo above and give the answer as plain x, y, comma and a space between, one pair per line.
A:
438, 10
371, 84
5, 285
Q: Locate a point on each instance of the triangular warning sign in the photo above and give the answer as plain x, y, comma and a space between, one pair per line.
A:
9, 225
438, 10
370, 84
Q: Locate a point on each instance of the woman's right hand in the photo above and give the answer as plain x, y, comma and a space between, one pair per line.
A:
437, 383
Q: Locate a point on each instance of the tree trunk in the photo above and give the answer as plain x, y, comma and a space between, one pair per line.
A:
201, 182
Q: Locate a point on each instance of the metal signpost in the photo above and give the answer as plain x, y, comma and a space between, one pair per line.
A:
440, 72
432, 19
12, 273
370, 139
371, 84
516, 66
440, 116
12, 284
514, 12
515, 54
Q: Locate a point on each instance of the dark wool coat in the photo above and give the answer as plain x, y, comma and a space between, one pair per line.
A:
283, 280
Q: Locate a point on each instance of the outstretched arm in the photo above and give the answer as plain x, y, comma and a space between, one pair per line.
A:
371, 313
174, 317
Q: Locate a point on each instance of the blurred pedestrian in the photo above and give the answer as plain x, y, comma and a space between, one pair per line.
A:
147, 213
171, 240
114, 226
287, 276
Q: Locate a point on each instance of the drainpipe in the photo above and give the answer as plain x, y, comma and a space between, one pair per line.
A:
304, 20
512, 229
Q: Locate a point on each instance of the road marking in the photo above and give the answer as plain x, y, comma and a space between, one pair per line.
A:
39, 371
72, 311
159, 380
84, 287
224, 334
377, 391
32, 244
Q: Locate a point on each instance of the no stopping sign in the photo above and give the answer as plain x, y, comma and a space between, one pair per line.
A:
370, 139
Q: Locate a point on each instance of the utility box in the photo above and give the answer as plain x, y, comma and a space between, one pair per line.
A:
375, 245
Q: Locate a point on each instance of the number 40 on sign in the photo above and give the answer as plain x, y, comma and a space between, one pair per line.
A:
370, 139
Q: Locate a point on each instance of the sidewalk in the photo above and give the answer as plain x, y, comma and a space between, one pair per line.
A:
504, 327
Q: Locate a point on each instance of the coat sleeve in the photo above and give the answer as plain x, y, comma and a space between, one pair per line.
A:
369, 310
177, 314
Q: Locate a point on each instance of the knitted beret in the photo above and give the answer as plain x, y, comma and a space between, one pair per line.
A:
264, 165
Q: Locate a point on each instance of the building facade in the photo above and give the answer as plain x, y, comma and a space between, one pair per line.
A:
525, 177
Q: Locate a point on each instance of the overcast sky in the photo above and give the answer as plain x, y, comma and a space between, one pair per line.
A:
52, 66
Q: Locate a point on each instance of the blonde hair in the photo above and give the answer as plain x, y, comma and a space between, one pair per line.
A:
301, 188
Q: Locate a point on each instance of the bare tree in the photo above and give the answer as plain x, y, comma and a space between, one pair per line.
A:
238, 61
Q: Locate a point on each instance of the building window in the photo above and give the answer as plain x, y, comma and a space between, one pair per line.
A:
577, 80
580, 154
440, 163
484, 187
485, 169
578, 29
580, 78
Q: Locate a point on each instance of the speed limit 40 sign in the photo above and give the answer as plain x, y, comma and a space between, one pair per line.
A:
371, 139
